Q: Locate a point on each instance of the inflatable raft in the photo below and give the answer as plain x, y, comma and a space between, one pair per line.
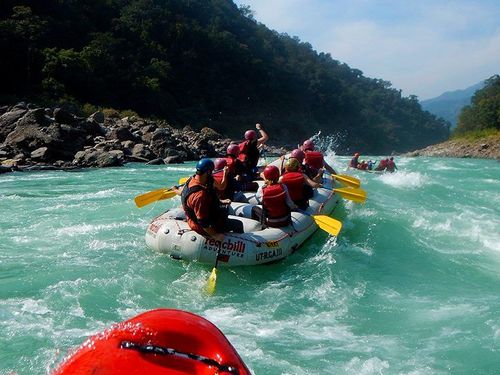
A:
157, 342
169, 233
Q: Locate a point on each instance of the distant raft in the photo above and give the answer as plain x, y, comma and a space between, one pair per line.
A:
169, 233
157, 342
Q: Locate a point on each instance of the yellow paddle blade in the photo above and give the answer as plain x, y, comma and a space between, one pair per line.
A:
328, 224
356, 195
210, 287
150, 197
348, 180
183, 180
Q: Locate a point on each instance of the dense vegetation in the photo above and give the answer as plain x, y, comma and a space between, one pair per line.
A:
200, 62
483, 115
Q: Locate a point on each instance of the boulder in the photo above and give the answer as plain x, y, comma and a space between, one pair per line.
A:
8, 122
97, 117
99, 158
175, 159
162, 140
63, 117
157, 161
141, 150
41, 154
121, 133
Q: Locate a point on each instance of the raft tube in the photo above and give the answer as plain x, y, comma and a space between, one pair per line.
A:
169, 233
157, 342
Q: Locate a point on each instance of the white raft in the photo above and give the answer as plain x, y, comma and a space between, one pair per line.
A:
169, 233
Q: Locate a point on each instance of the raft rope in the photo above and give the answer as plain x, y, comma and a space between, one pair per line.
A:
160, 350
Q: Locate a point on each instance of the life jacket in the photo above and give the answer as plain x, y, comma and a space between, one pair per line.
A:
249, 154
314, 159
390, 166
231, 164
276, 210
354, 162
294, 182
228, 192
211, 199
363, 166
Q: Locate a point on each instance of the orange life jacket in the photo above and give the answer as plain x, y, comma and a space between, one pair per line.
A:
314, 159
294, 182
276, 210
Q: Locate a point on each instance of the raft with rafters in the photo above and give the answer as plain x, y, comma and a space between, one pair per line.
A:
170, 234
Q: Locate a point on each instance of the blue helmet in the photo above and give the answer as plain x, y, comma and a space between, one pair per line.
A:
204, 165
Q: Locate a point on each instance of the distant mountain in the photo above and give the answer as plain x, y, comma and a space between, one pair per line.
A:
449, 104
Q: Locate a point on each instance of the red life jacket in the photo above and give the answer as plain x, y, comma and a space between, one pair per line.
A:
314, 159
231, 164
228, 192
275, 207
391, 166
249, 154
218, 175
294, 181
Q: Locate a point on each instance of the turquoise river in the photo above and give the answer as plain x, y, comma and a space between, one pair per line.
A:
410, 286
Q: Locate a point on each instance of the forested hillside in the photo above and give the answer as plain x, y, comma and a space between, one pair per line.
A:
484, 112
203, 63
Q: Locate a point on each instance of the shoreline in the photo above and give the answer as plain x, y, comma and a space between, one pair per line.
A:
481, 148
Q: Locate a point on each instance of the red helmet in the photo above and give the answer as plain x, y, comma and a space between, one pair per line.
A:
220, 163
271, 173
298, 154
233, 149
308, 145
250, 135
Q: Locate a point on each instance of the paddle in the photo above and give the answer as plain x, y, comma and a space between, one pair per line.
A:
153, 196
212, 279
328, 224
348, 180
356, 195
157, 195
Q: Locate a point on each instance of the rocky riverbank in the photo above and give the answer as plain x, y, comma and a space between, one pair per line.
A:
33, 138
484, 148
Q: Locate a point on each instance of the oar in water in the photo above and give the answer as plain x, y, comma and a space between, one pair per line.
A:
156, 195
356, 195
328, 224
348, 180
212, 279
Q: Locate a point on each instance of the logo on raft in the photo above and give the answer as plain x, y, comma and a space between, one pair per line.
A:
268, 254
236, 248
154, 227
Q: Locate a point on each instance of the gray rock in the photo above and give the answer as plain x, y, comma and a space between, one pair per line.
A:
141, 150
63, 117
121, 133
157, 161
8, 122
41, 154
97, 117
175, 159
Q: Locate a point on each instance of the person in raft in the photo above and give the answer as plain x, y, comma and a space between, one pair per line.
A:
314, 160
300, 187
382, 165
206, 214
234, 171
249, 150
304, 168
354, 161
391, 165
275, 199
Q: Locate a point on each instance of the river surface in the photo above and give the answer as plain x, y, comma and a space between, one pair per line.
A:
411, 286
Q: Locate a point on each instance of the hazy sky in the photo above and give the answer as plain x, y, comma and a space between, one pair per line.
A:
424, 47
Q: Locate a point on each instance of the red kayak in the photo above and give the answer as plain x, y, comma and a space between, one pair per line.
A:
162, 341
